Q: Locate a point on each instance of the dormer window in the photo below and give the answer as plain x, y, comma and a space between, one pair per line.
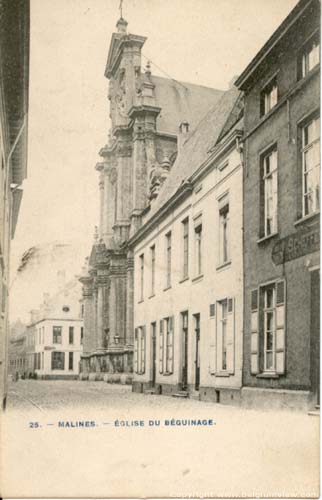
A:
309, 56
268, 98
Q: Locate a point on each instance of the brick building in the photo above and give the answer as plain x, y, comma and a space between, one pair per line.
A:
14, 84
281, 214
149, 116
188, 267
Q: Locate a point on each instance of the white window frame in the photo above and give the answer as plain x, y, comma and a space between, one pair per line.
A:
168, 258
185, 248
224, 233
314, 170
310, 56
270, 310
270, 180
141, 268
152, 255
198, 235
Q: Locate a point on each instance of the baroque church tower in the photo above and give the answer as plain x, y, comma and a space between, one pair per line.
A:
149, 115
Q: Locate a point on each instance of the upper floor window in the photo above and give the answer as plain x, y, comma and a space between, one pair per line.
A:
224, 230
311, 166
268, 97
57, 334
198, 246
185, 236
309, 56
269, 193
168, 248
152, 253
82, 335
141, 276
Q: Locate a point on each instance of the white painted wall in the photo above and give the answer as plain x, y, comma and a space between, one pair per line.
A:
195, 296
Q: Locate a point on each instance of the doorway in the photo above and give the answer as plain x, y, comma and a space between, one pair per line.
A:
153, 353
184, 368
315, 336
197, 353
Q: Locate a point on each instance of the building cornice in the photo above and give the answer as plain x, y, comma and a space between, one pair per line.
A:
281, 31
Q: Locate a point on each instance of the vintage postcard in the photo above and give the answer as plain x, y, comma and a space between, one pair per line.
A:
160, 248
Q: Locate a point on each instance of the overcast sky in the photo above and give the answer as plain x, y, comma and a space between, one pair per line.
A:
206, 42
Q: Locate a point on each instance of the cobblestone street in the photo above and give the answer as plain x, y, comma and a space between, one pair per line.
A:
250, 448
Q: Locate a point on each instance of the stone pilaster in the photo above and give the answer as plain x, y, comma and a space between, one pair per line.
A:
100, 168
129, 299
110, 179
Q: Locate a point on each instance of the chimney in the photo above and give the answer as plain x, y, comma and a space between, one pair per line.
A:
183, 134
34, 314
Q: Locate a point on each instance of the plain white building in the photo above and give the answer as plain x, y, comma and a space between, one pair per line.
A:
188, 261
56, 332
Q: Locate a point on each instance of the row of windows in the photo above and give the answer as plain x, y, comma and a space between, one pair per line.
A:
221, 339
57, 360
310, 151
224, 255
18, 363
267, 334
58, 335
308, 59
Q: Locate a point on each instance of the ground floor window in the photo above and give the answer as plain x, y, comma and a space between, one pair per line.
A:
268, 328
139, 350
222, 339
71, 360
57, 360
166, 345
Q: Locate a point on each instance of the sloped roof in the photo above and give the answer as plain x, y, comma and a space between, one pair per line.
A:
197, 147
181, 101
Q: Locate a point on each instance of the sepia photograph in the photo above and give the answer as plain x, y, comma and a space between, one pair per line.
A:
160, 248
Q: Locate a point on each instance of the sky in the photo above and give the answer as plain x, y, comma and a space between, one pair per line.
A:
207, 42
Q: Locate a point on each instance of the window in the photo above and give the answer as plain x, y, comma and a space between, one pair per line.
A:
185, 232
57, 334
309, 57
42, 360
81, 335
268, 329
71, 334
141, 277
139, 350
168, 259
269, 193
57, 360
70, 360
166, 345
268, 97
152, 254
311, 166
198, 246
224, 230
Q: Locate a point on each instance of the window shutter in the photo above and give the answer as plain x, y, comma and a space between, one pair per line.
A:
136, 350
230, 337
212, 350
161, 347
280, 326
143, 336
254, 337
170, 345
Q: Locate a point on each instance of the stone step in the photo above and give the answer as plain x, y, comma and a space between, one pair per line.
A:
181, 394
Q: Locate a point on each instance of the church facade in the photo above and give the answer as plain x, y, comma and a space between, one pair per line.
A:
150, 119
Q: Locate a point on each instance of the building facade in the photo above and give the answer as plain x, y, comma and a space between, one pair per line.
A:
281, 214
18, 356
150, 116
14, 82
55, 335
188, 267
